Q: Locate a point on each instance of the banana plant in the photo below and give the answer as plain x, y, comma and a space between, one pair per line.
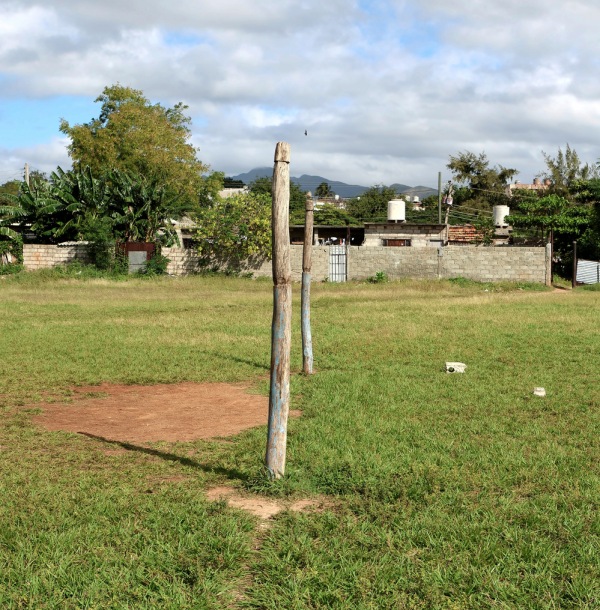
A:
143, 209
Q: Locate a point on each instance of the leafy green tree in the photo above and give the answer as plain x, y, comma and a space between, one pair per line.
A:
551, 212
230, 183
479, 185
134, 136
32, 210
329, 214
324, 190
209, 189
234, 229
264, 186
372, 204
587, 193
566, 169
9, 188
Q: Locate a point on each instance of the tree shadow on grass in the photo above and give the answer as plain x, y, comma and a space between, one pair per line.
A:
231, 474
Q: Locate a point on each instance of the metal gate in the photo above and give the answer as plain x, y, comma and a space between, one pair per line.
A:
337, 264
588, 272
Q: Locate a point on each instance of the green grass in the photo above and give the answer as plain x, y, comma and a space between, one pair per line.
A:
449, 491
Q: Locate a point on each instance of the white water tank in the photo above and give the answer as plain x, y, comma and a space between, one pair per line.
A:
500, 214
397, 210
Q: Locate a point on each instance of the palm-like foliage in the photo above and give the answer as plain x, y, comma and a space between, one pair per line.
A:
142, 209
77, 199
74, 204
31, 210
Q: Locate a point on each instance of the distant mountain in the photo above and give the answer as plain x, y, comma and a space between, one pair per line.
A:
310, 183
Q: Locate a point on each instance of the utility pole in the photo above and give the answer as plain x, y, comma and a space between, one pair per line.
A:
27, 173
281, 328
439, 198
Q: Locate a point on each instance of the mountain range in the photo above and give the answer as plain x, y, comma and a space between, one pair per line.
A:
310, 183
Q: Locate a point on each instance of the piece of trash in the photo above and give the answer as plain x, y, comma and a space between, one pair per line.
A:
455, 367
539, 391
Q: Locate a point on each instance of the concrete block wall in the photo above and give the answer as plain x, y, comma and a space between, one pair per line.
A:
488, 264
478, 263
396, 263
185, 260
46, 256
319, 266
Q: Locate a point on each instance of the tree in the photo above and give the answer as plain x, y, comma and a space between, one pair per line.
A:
9, 188
566, 169
324, 190
234, 229
230, 183
133, 135
329, 214
263, 186
554, 217
478, 182
372, 204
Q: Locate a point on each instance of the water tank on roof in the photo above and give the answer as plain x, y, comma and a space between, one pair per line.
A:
396, 210
500, 214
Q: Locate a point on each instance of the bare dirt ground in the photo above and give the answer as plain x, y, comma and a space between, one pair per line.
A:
174, 412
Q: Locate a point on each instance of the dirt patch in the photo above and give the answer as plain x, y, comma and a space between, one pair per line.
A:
174, 412
261, 507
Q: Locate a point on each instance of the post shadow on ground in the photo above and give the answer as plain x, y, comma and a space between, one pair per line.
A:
256, 364
172, 457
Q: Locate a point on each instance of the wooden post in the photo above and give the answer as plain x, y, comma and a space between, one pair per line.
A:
574, 280
307, 351
281, 329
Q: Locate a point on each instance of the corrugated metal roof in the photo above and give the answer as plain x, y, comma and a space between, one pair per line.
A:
588, 272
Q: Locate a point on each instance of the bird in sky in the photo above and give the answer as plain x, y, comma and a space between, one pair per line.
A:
305, 132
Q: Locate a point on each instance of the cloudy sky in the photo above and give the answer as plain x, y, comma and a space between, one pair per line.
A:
387, 89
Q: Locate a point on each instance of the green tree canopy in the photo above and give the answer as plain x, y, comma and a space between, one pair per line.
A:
566, 169
264, 186
479, 184
372, 204
324, 190
233, 229
133, 135
329, 214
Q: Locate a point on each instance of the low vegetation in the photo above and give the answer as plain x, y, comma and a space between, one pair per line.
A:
448, 490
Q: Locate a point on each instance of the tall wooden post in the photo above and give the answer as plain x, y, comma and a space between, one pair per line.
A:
281, 329
307, 351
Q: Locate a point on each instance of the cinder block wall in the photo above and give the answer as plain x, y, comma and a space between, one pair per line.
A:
483, 264
473, 262
46, 256
486, 264
396, 263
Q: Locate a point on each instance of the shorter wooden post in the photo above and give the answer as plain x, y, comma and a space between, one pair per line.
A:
281, 329
307, 351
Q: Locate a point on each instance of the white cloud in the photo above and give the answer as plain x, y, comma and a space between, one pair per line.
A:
387, 89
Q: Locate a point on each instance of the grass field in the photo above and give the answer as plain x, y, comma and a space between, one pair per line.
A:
448, 491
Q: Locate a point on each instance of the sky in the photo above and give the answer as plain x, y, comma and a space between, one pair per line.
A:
387, 90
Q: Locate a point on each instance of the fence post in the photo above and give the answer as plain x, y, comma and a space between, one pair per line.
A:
279, 397
307, 351
574, 280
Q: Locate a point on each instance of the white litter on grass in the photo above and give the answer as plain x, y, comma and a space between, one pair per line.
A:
539, 391
455, 367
